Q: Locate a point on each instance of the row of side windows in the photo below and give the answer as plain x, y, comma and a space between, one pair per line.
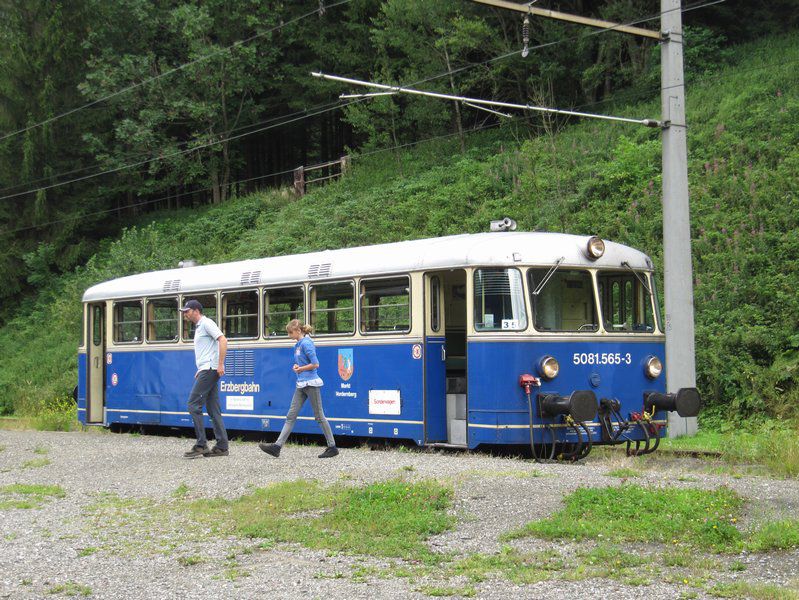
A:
384, 304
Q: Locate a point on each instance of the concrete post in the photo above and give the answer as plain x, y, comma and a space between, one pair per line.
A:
678, 273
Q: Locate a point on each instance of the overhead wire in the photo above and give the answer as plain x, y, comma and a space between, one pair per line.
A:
322, 7
177, 153
575, 38
332, 105
247, 180
138, 204
494, 59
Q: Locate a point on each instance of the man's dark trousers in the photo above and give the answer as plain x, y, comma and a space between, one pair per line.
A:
206, 392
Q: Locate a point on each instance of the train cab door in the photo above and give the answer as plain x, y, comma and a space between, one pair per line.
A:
435, 365
445, 357
95, 388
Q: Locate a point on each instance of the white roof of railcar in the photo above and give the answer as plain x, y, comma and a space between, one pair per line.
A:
484, 249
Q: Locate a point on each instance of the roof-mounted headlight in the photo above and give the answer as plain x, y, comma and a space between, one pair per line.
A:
595, 247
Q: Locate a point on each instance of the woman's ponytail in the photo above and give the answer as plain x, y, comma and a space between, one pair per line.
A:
297, 324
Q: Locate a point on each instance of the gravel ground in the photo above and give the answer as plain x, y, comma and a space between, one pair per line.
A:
68, 543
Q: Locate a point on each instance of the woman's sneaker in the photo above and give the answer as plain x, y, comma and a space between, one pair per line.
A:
329, 452
197, 451
271, 449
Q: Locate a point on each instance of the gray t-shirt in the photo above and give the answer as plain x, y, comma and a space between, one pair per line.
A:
206, 349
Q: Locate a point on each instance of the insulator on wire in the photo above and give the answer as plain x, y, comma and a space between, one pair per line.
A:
526, 36
321, 8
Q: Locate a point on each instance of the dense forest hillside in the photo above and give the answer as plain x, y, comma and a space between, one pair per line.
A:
591, 177
112, 110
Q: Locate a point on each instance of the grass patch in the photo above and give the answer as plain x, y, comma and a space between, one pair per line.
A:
188, 561
705, 519
611, 562
447, 591
87, 551
774, 535
623, 473
699, 518
36, 463
70, 588
510, 564
388, 519
54, 414
737, 566
22, 495
140, 526
772, 445
604, 561
756, 591
516, 473
181, 491
41, 450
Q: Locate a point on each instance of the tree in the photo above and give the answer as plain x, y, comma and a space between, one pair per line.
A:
41, 62
414, 41
184, 120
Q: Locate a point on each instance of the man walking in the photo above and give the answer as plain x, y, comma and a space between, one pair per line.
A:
210, 347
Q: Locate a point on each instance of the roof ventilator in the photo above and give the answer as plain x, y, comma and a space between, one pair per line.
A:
320, 270
251, 278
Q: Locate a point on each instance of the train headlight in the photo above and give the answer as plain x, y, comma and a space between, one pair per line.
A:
653, 367
548, 367
595, 247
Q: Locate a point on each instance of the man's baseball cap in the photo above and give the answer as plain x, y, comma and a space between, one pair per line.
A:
191, 304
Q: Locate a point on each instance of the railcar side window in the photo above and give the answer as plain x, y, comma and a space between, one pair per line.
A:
499, 300
281, 305
241, 314
333, 308
162, 320
128, 322
385, 305
435, 304
97, 325
626, 302
565, 302
209, 310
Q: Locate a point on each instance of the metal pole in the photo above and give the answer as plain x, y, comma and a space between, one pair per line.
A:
678, 275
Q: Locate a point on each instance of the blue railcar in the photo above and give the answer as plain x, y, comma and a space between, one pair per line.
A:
513, 338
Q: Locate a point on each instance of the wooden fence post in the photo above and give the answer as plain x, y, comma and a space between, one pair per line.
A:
299, 181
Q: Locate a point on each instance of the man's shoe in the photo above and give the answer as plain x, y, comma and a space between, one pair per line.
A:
329, 452
196, 451
217, 451
271, 449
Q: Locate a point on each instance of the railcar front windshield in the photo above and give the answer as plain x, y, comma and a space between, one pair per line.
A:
564, 302
499, 300
626, 299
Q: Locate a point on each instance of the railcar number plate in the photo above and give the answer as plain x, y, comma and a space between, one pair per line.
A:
602, 358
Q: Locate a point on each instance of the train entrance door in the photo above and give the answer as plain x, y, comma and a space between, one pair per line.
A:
445, 357
95, 378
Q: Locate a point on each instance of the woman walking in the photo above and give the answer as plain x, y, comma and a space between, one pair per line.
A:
308, 386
